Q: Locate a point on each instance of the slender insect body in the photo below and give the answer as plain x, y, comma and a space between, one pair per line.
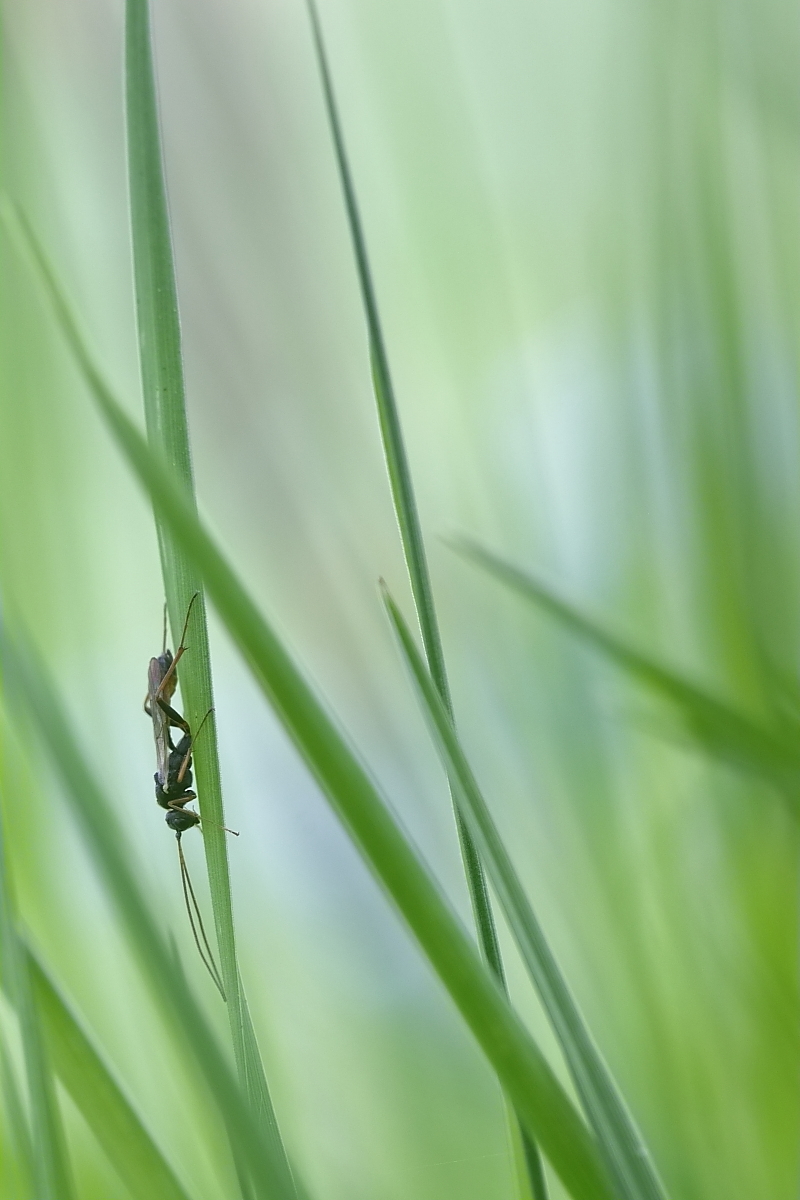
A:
173, 777
163, 716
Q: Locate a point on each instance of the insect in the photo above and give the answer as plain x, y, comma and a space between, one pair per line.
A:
173, 777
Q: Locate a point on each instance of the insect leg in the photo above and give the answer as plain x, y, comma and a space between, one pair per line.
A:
179, 652
193, 911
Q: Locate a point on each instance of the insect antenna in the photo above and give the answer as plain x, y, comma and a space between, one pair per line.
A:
193, 910
235, 832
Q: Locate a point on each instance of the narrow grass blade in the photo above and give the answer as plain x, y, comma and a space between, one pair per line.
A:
33, 693
167, 429
23, 1167
619, 1140
407, 514
524, 1073
51, 1168
107, 1111
394, 448
718, 726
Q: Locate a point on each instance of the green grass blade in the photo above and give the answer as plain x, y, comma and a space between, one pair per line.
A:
619, 1139
721, 729
32, 692
167, 429
51, 1169
21, 1164
523, 1071
109, 1114
407, 515
405, 506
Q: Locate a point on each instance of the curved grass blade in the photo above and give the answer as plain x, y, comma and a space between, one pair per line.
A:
407, 515
167, 429
33, 693
619, 1140
522, 1069
51, 1168
722, 730
109, 1114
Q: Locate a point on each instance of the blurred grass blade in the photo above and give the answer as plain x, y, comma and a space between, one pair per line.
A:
722, 730
19, 1167
616, 1133
32, 692
167, 429
524, 1073
109, 1114
51, 1169
406, 512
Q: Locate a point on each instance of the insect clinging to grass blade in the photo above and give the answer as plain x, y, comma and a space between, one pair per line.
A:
162, 680
173, 777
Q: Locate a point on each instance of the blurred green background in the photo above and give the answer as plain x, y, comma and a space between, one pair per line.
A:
583, 224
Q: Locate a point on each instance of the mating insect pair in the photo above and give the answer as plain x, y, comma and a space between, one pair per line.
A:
173, 777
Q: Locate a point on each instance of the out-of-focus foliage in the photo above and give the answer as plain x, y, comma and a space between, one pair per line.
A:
582, 223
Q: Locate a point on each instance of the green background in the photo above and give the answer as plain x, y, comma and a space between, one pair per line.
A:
582, 221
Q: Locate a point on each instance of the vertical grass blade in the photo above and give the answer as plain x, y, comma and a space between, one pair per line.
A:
107, 1111
33, 694
167, 429
52, 1173
17, 1133
543, 1107
619, 1140
407, 515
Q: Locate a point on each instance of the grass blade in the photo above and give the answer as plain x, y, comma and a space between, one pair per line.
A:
524, 1073
34, 694
167, 429
107, 1111
617, 1136
394, 448
722, 730
407, 515
19, 1167
51, 1169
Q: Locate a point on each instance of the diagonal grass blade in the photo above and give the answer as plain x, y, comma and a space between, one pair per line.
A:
19, 1163
51, 1168
718, 726
90, 1082
619, 1140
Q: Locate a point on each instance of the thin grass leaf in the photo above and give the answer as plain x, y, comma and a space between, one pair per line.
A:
405, 506
407, 515
33, 693
619, 1140
16, 1129
522, 1069
167, 429
51, 1168
720, 728
107, 1111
